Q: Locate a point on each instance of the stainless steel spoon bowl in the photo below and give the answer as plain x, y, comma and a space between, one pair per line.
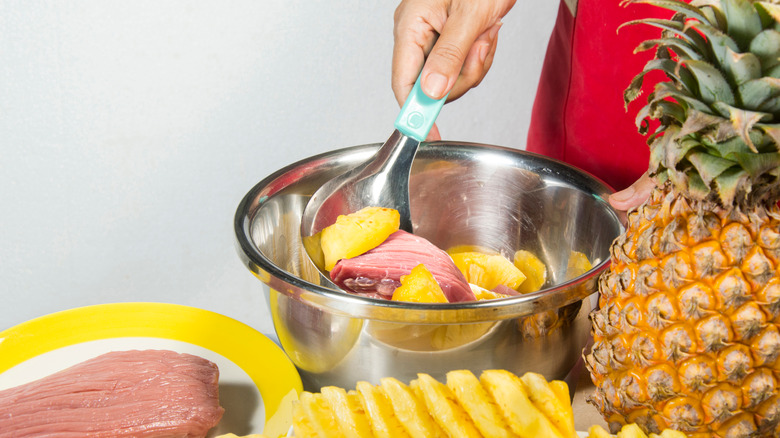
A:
382, 181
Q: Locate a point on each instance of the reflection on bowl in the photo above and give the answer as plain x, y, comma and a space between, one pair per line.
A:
461, 194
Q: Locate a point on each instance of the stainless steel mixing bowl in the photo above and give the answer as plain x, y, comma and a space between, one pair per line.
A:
461, 194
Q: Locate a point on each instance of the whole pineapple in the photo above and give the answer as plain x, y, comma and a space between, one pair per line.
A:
687, 335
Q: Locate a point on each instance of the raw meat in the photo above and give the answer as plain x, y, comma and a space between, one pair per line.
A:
505, 290
149, 393
377, 273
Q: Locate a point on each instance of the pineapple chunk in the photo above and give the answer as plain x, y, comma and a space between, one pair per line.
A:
513, 401
444, 408
631, 431
347, 408
380, 413
419, 287
483, 294
578, 265
356, 233
561, 390
534, 270
410, 410
478, 404
319, 419
542, 395
488, 271
455, 335
597, 431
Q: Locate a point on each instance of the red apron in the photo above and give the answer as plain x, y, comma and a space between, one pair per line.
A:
578, 115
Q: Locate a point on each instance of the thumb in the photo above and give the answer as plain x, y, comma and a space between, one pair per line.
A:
634, 195
446, 59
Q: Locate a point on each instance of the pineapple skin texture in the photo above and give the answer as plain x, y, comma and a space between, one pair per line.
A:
687, 334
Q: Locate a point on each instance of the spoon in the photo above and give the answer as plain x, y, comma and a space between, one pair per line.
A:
381, 181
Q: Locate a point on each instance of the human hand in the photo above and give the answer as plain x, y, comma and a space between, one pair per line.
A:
458, 37
633, 195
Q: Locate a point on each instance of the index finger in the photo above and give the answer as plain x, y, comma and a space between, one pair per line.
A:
446, 59
414, 36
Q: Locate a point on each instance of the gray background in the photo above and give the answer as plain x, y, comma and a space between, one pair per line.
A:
130, 130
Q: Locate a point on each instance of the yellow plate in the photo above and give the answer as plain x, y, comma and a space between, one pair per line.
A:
255, 374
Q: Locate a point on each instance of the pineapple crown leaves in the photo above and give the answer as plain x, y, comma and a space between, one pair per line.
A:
719, 110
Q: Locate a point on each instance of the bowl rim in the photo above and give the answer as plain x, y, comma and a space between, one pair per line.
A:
279, 280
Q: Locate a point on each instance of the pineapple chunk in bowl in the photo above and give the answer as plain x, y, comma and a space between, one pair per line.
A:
463, 195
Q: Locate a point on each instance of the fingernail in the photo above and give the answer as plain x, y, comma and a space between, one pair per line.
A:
494, 30
434, 85
483, 52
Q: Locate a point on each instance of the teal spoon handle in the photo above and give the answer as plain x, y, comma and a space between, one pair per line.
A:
418, 113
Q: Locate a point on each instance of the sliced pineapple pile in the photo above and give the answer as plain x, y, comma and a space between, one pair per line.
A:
497, 404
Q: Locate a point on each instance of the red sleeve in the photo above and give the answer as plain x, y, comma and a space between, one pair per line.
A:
578, 115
